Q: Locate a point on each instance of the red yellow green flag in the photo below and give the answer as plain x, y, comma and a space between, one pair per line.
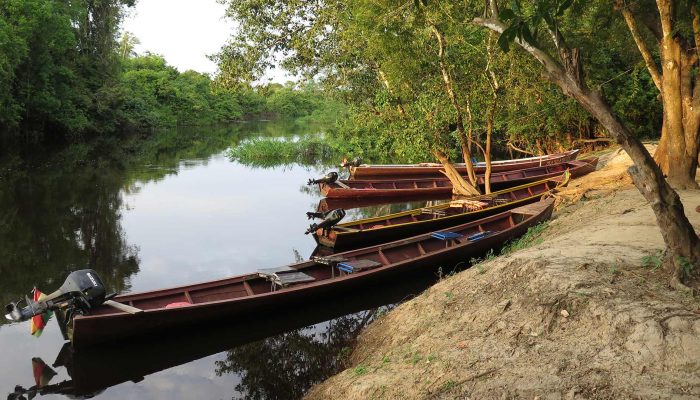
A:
39, 321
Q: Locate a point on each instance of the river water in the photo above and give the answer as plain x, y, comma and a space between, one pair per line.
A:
168, 210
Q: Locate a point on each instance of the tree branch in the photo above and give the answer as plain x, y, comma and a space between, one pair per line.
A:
642, 46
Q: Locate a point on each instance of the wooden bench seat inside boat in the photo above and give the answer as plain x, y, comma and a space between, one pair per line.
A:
284, 276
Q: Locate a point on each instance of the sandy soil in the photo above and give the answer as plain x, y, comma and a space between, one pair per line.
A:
574, 316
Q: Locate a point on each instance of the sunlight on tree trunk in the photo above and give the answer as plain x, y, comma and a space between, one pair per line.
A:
460, 187
677, 153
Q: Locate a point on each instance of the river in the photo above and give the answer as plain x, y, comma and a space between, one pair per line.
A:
161, 211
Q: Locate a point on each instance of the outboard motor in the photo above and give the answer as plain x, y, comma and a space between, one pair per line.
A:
331, 218
329, 178
82, 291
356, 162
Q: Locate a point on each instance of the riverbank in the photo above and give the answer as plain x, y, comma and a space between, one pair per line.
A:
583, 313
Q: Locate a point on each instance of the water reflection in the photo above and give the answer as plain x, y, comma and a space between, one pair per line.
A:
285, 366
58, 220
154, 212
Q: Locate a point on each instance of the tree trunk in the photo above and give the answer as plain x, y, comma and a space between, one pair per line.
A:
460, 187
465, 142
661, 153
677, 153
449, 88
681, 171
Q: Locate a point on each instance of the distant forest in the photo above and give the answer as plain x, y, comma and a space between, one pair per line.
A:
67, 73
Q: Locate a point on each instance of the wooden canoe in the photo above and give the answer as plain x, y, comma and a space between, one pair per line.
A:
371, 231
408, 188
426, 170
91, 374
253, 294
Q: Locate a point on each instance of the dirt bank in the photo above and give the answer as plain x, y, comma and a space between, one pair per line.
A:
576, 315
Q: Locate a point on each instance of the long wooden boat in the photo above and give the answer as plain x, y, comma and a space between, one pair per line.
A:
425, 170
92, 372
268, 291
407, 188
371, 231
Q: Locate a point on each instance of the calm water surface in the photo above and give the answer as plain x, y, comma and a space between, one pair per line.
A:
169, 211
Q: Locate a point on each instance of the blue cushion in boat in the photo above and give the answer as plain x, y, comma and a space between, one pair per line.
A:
445, 235
478, 236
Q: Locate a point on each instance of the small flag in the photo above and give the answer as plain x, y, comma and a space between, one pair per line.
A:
39, 321
42, 372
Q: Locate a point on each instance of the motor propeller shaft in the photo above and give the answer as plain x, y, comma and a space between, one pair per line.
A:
328, 178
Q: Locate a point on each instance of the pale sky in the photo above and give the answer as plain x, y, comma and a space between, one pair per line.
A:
184, 32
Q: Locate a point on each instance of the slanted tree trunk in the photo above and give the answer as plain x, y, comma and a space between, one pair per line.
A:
460, 186
466, 144
683, 246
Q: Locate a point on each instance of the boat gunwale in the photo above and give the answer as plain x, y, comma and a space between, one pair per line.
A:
546, 157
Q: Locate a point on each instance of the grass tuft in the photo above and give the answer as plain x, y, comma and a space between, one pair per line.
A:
532, 237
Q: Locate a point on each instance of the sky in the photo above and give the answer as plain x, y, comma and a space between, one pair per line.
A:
184, 32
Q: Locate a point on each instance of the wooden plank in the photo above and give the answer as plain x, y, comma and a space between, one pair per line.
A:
421, 250
248, 289
383, 257
345, 229
123, 307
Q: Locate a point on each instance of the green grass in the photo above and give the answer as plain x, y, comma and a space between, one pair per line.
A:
360, 370
653, 261
272, 152
532, 237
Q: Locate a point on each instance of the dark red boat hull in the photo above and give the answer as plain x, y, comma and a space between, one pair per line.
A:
408, 188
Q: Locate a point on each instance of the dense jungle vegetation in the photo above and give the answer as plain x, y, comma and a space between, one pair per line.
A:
68, 74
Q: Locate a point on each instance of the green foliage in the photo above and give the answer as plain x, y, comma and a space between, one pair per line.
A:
156, 94
272, 152
685, 265
381, 58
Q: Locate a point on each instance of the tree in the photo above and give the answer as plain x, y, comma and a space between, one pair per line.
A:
127, 44
675, 27
565, 69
